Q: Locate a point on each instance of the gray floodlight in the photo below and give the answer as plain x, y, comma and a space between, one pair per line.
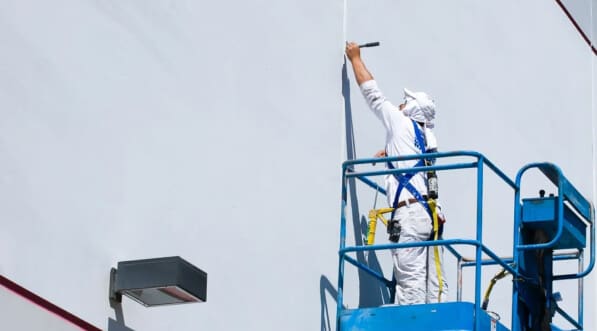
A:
157, 282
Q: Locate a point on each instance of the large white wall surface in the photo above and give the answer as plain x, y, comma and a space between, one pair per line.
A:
139, 129
216, 130
20, 314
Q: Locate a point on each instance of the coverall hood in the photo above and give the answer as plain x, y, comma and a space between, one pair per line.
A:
419, 107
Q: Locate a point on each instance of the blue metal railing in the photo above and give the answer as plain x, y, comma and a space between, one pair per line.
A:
349, 172
566, 192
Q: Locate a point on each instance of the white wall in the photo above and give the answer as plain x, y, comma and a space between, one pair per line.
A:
215, 131
511, 80
144, 129
20, 314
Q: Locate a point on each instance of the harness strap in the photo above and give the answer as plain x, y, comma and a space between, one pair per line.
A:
436, 233
430, 206
404, 180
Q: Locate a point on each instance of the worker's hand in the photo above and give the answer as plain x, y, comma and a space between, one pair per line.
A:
441, 218
381, 153
353, 51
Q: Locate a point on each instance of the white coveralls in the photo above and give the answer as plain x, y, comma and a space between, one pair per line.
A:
414, 268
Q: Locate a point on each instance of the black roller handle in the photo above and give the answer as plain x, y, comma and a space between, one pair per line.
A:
373, 44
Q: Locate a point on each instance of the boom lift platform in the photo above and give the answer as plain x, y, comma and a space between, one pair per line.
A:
546, 229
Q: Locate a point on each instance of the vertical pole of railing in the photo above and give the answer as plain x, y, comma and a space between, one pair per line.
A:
581, 264
480, 163
341, 256
515, 253
459, 280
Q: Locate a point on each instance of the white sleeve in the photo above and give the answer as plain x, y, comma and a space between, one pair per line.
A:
377, 101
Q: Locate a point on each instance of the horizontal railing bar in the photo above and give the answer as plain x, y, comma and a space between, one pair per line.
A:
411, 170
508, 259
409, 244
428, 243
437, 155
348, 164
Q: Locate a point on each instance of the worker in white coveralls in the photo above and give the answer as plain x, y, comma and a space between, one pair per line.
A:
418, 271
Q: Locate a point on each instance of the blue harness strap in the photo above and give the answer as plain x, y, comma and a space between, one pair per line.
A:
404, 179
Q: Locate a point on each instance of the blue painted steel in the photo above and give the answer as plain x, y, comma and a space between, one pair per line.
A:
429, 317
515, 254
541, 213
509, 260
442, 242
566, 191
385, 317
479, 239
348, 172
554, 174
577, 325
412, 170
437, 155
564, 230
339, 299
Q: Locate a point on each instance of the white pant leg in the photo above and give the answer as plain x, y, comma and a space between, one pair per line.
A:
410, 263
433, 279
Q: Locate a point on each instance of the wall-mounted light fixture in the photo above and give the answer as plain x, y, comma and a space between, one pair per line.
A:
160, 281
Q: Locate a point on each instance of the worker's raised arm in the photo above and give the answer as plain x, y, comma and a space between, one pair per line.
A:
353, 52
373, 96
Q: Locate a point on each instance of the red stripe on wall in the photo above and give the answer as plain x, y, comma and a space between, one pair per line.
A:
582, 33
36, 299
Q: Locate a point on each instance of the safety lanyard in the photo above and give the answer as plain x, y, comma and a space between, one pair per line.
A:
404, 180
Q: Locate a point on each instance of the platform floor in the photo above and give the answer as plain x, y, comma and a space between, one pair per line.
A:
449, 316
